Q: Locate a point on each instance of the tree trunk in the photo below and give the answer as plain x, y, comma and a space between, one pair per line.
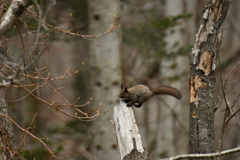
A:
105, 75
202, 80
176, 123
7, 146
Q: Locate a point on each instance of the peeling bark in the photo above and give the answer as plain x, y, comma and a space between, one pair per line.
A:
205, 62
202, 80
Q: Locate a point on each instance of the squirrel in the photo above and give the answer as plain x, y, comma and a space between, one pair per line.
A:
138, 94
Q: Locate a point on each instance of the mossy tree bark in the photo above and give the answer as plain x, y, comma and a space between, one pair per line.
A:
7, 147
202, 80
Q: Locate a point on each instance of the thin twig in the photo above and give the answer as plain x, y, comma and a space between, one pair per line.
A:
29, 133
113, 27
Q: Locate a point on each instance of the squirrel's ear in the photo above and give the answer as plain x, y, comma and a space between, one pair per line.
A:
122, 86
126, 90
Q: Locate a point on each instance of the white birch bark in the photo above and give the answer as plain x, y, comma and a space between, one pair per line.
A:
173, 131
106, 75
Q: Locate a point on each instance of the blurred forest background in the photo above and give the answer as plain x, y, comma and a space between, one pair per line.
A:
152, 47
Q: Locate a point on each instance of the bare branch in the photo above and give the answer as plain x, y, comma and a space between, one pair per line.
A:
225, 83
113, 27
29, 133
208, 155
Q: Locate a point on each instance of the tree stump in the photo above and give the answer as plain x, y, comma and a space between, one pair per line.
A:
128, 137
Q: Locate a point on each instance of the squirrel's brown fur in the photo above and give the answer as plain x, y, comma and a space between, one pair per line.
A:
137, 95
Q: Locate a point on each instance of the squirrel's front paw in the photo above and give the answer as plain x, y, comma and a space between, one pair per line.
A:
129, 105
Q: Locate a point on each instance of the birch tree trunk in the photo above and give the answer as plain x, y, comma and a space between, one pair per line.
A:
106, 75
174, 112
202, 80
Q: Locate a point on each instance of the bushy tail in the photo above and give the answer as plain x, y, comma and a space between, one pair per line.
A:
168, 91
